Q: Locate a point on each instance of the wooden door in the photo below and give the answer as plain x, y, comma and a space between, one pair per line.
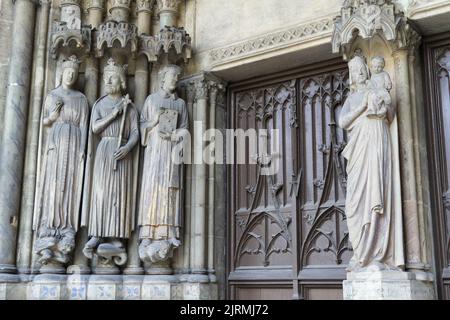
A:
287, 236
437, 114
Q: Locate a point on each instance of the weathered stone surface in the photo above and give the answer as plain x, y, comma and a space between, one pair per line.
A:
386, 285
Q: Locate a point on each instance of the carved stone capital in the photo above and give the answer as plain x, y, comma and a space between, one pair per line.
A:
216, 90
168, 5
204, 85
144, 5
190, 92
201, 89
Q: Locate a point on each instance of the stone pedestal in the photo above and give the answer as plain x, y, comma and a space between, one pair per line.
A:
132, 289
104, 287
161, 287
48, 287
386, 285
13, 291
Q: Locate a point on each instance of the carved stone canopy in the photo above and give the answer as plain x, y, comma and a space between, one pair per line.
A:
366, 18
116, 35
71, 40
168, 38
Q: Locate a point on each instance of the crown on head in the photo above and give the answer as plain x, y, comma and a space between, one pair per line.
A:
71, 62
112, 66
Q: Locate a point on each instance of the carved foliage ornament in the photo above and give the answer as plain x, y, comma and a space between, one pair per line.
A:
273, 40
145, 5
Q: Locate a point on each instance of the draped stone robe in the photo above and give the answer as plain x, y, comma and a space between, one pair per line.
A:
58, 193
372, 218
160, 201
112, 192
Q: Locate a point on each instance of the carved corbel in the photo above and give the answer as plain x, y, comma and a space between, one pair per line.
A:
171, 41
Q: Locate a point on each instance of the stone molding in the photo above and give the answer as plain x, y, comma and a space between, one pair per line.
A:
422, 8
273, 41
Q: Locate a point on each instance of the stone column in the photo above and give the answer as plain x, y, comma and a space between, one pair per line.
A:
144, 20
168, 13
13, 143
25, 238
418, 165
211, 176
141, 78
198, 220
95, 12
189, 188
409, 192
120, 10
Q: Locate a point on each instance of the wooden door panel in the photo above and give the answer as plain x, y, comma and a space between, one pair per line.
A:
290, 226
437, 71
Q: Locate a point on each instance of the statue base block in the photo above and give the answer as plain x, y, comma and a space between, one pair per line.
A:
160, 287
132, 287
200, 291
386, 285
104, 287
48, 287
77, 286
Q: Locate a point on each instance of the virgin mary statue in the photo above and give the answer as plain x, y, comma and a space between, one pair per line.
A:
373, 218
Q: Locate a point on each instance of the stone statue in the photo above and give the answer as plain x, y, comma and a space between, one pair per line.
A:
111, 173
163, 117
58, 193
374, 222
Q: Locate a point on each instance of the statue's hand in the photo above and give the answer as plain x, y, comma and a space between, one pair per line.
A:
174, 137
158, 114
121, 153
59, 104
118, 109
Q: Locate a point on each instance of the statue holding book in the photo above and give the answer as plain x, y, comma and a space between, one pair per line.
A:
163, 117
